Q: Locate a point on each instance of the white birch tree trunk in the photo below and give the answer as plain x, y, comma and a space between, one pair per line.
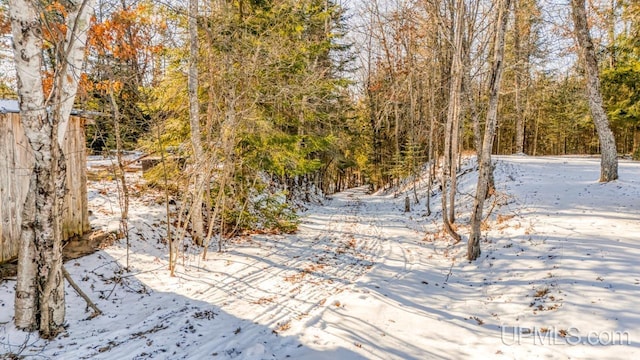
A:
40, 301
78, 24
485, 167
608, 151
28, 47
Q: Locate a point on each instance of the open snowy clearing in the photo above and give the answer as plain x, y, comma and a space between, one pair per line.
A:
557, 278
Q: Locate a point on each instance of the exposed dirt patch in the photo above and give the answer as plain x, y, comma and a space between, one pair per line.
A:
74, 248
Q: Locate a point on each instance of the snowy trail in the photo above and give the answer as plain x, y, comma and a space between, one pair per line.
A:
296, 274
285, 282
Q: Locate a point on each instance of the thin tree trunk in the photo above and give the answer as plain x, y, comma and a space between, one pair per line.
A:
165, 180
611, 32
124, 197
194, 121
451, 126
396, 116
517, 49
609, 155
535, 134
477, 129
636, 143
414, 150
431, 151
485, 166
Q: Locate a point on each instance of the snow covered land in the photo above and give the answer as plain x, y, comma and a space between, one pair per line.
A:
558, 278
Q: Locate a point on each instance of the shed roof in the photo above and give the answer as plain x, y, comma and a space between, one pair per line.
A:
12, 106
9, 106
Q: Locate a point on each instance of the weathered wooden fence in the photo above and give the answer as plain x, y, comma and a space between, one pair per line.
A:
15, 164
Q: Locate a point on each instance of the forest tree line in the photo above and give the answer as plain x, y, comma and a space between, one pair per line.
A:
342, 96
543, 109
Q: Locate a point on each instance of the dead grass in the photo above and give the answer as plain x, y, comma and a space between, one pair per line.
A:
282, 326
264, 300
100, 175
540, 293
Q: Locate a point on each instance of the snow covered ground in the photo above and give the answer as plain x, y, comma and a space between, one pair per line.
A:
557, 278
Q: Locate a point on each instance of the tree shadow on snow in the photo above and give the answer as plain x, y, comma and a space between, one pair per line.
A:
141, 323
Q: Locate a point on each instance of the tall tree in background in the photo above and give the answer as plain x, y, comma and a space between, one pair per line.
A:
525, 12
524, 50
62, 27
485, 166
452, 126
609, 160
194, 122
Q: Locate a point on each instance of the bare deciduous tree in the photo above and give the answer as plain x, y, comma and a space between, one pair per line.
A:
194, 122
486, 169
449, 164
609, 162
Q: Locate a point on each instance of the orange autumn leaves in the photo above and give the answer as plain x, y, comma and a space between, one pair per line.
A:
126, 35
54, 27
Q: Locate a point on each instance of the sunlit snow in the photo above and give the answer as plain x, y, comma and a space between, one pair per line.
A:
557, 278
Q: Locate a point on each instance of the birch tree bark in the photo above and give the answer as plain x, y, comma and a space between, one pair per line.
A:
40, 301
71, 56
485, 166
608, 151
